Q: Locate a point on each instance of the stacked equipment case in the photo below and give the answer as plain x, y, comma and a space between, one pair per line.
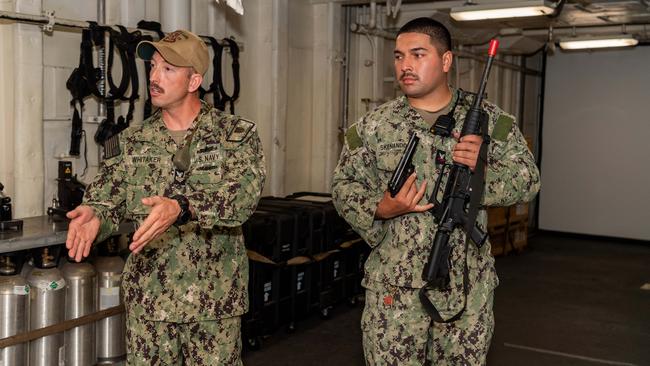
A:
304, 259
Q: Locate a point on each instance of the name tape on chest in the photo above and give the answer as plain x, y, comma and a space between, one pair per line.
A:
144, 159
392, 146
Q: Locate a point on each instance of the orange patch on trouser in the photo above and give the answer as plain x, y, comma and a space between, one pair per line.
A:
388, 300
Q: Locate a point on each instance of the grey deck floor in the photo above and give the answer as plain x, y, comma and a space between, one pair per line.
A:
563, 301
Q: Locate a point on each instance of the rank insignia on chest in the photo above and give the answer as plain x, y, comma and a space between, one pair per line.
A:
440, 157
179, 176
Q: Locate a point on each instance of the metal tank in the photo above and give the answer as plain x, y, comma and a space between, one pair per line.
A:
47, 301
111, 331
14, 292
80, 300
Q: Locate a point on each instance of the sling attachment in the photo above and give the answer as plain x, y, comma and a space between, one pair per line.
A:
225, 98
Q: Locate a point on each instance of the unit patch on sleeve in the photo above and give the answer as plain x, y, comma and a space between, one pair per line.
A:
352, 138
112, 147
502, 127
240, 131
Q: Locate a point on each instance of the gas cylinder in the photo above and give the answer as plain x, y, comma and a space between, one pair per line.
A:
47, 302
111, 331
13, 310
80, 300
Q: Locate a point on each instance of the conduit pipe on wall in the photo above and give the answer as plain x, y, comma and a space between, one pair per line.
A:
28, 109
372, 22
175, 14
346, 72
7, 115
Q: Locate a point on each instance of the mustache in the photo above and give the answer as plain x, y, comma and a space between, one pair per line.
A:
155, 87
409, 75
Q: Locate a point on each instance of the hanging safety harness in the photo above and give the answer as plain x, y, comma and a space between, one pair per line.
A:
225, 98
84, 81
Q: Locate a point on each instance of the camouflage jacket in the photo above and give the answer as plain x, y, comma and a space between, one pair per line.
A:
372, 150
197, 271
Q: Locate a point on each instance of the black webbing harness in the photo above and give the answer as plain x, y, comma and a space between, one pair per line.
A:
85, 79
156, 27
214, 89
225, 98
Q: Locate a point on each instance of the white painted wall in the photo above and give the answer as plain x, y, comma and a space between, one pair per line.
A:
315, 66
595, 152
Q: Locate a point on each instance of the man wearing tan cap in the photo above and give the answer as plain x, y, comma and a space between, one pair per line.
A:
189, 176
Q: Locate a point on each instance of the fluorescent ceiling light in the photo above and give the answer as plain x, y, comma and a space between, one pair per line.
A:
508, 9
580, 43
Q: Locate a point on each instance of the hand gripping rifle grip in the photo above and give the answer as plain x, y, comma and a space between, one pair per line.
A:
404, 167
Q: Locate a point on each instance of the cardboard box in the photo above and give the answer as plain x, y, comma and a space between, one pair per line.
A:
518, 236
518, 213
497, 216
498, 240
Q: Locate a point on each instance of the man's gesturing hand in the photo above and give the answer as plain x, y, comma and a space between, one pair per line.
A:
82, 231
405, 201
164, 212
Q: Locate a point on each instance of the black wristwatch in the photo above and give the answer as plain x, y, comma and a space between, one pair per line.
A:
185, 215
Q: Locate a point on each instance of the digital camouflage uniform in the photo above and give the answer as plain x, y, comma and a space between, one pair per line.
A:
196, 273
397, 330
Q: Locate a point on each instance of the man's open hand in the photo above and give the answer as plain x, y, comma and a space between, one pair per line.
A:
82, 231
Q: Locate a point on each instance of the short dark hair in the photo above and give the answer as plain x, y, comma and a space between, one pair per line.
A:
438, 33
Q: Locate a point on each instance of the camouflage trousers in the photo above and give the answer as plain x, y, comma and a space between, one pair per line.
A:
215, 342
397, 330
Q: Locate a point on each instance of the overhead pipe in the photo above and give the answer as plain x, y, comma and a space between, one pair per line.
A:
504, 64
49, 20
646, 3
577, 30
361, 29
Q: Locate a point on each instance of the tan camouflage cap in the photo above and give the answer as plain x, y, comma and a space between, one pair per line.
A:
179, 48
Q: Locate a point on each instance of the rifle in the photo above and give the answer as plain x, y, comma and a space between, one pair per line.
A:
405, 166
460, 202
